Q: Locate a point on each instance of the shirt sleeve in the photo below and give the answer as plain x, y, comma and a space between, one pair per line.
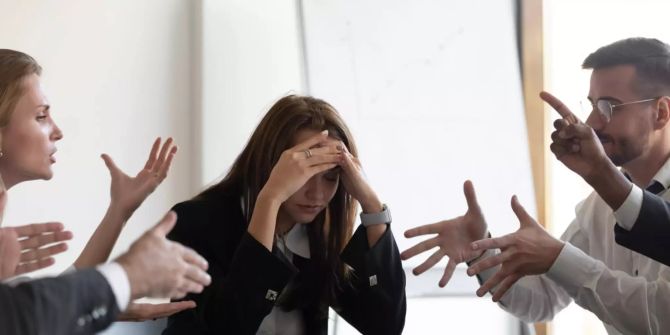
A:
118, 280
627, 213
633, 305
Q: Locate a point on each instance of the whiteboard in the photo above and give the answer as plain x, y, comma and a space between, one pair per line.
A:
432, 92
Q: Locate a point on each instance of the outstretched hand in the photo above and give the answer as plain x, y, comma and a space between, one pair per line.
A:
452, 237
160, 268
528, 251
127, 192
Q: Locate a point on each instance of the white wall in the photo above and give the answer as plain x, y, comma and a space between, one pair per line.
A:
251, 56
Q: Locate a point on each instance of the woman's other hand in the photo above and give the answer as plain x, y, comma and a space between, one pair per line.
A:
127, 192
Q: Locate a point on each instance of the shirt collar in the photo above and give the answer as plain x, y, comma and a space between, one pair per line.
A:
297, 240
662, 175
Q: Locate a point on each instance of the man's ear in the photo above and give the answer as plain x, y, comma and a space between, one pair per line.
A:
662, 113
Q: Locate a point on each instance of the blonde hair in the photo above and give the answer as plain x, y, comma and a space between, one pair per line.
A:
14, 67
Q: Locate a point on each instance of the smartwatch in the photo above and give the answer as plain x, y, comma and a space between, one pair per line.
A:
370, 219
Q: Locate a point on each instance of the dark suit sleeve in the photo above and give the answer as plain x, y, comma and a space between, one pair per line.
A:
81, 302
375, 302
240, 297
650, 234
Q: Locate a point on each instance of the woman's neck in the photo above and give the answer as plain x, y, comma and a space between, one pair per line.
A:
8, 179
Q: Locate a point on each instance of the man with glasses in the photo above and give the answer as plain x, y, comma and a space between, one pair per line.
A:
629, 127
643, 215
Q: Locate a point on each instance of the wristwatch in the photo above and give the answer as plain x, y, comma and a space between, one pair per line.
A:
370, 219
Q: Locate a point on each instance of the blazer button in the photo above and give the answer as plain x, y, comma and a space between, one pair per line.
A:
271, 295
81, 322
373, 280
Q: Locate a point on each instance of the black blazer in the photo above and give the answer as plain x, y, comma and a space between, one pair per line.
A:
245, 275
81, 302
650, 234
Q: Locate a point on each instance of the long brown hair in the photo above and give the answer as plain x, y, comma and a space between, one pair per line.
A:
274, 134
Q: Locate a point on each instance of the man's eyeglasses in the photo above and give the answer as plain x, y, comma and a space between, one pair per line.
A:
606, 108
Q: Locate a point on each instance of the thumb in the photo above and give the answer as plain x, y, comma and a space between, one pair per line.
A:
109, 162
521, 214
470, 195
166, 224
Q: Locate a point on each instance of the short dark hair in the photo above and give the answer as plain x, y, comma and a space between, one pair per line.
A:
649, 56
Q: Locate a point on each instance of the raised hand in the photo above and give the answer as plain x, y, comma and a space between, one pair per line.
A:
299, 163
143, 312
531, 250
127, 192
452, 237
355, 183
574, 143
577, 146
159, 268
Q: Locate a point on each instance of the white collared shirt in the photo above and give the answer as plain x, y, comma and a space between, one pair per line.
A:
629, 292
280, 322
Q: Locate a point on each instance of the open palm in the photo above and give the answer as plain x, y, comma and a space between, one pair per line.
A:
453, 238
129, 192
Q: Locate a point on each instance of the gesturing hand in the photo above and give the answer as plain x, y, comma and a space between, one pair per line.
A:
143, 312
453, 238
127, 192
39, 242
574, 143
160, 268
528, 251
31, 247
299, 163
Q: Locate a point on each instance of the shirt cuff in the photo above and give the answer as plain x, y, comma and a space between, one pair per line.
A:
118, 280
627, 213
573, 269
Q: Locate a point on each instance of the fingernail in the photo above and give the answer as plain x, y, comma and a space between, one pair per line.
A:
474, 246
562, 134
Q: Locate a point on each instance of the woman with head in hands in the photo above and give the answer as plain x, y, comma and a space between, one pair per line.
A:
277, 233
